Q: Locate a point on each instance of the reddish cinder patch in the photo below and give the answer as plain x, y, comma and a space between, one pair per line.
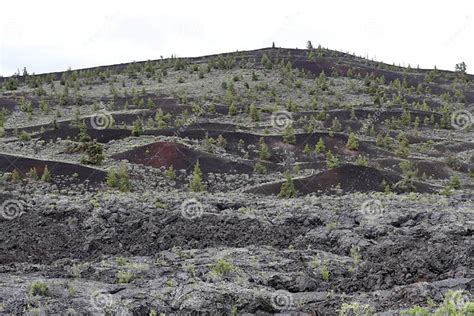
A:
165, 154
161, 154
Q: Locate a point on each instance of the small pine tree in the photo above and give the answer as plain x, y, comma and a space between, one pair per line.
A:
11, 84
409, 174
232, 109
416, 124
447, 190
320, 147
221, 141
260, 168
455, 183
24, 136
16, 176
332, 160
387, 189
34, 174
350, 73
263, 152
124, 179
353, 114
46, 177
112, 178
336, 125
406, 118
254, 113
362, 161
44, 106
150, 104
170, 173
379, 141
83, 135
266, 62
137, 129
94, 153
404, 149
209, 143
321, 82
289, 134
352, 142
254, 76
161, 119
307, 149
196, 184
287, 189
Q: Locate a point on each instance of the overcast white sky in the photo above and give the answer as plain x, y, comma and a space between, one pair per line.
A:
49, 36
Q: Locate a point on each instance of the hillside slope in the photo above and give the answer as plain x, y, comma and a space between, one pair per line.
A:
264, 181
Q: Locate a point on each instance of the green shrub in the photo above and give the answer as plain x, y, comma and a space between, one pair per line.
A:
320, 147
454, 305
336, 125
289, 136
137, 128
196, 184
16, 176
46, 177
266, 62
404, 149
94, 153
287, 189
124, 276
223, 267
232, 109
453, 162
170, 173
362, 161
254, 113
112, 178
263, 152
356, 309
124, 179
221, 141
355, 254
11, 84
416, 311
39, 288
325, 273
24, 136
384, 142
254, 76
455, 183
352, 142
260, 168
34, 174
408, 176
119, 180
332, 160
25, 105
161, 118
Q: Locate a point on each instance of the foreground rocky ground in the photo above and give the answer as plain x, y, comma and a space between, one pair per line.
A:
305, 182
130, 254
